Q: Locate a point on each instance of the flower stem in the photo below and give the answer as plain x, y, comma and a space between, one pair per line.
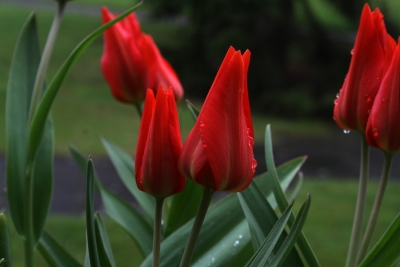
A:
198, 222
44, 61
360, 206
157, 231
377, 207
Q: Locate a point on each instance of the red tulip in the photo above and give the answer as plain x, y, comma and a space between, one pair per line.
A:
132, 63
372, 54
218, 153
383, 128
159, 146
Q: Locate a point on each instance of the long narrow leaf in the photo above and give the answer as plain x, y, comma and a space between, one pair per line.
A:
103, 244
54, 254
193, 110
43, 180
124, 165
266, 248
387, 251
124, 214
225, 240
5, 243
38, 122
282, 202
295, 232
262, 219
22, 76
90, 225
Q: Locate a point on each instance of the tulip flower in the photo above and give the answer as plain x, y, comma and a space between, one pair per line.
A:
131, 62
372, 54
159, 146
218, 153
383, 128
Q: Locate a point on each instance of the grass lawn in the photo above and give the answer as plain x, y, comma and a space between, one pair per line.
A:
327, 227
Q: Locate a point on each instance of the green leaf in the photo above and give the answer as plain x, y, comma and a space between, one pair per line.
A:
124, 214
226, 235
124, 165
193, 110
282, 202
295, 232
264, 251
43, 180
54, 254
90, 225
39, 118
262, 218
103, 244
5, 243
183, 207
386, 252
22, 76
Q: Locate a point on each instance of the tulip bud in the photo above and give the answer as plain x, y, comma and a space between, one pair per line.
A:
132, 63
383, 128
372, 53
218, 153
159, 146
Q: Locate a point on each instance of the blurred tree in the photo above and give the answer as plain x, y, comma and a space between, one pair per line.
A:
297, 65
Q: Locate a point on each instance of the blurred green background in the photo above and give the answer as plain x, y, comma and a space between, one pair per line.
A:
300, 56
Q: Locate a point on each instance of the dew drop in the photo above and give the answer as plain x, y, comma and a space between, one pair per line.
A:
251, 141
236, 243
337, 95
378, 77
254, 165
383, 99
212, 259
368, 111
240, 236
336, 101
346, 131
201, 124
352, 51
375, 132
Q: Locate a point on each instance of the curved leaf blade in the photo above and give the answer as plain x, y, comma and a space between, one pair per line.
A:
282, 202
54, 254
266, 248
5, 243
124, 165
106, 257
120, 211
90, 224
39, 118
22, 77
386, 252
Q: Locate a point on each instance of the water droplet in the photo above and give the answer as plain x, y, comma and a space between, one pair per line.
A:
383, 99
346, 131
251, 141
254, 165
337, 95
336, 101
201, 124
352, 51
368, 111
375, 132
240, 236
378, 77
212, 259
236, 243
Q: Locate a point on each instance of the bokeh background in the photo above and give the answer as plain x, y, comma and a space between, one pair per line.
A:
300, 56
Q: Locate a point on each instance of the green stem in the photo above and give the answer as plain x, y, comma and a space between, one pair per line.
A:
198, 222
157, 231
29, 243
44, 61
377, 207
360, 206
